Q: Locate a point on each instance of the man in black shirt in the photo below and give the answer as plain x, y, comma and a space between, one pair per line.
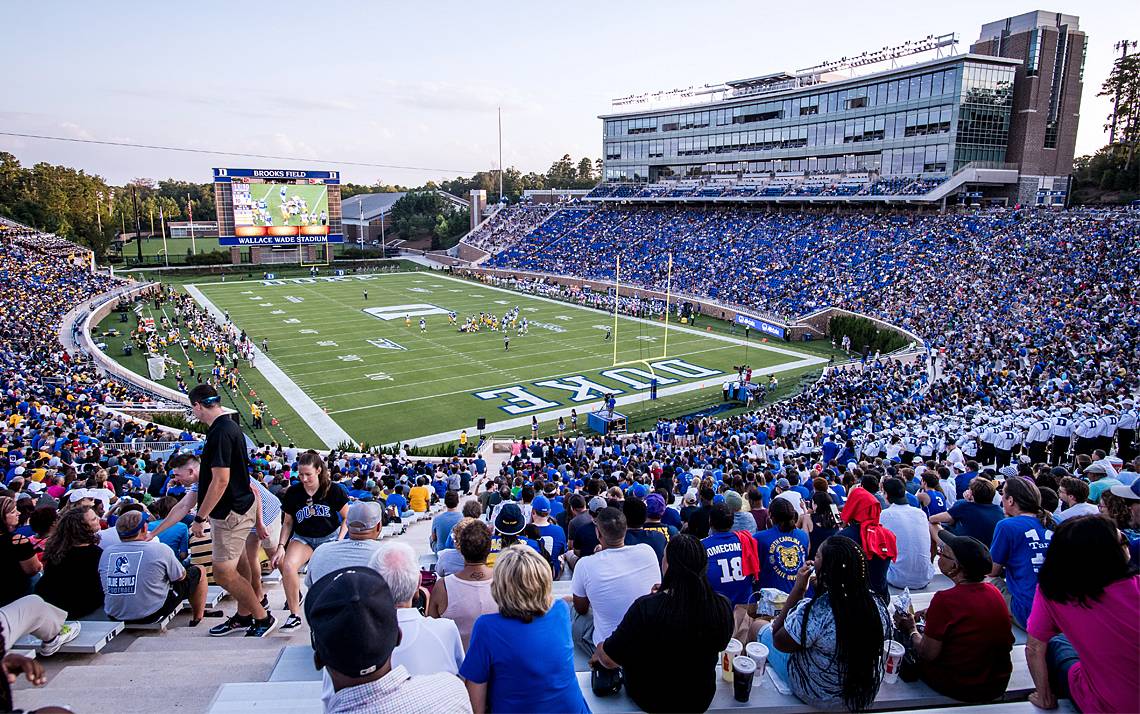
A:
226, 498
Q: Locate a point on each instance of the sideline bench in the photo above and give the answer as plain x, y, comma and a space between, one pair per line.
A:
93, 637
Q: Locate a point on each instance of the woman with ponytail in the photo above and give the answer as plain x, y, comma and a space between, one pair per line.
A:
315, 510
686, 621
829, 648
1019, 545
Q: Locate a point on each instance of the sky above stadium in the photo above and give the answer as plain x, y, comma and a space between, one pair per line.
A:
418, 84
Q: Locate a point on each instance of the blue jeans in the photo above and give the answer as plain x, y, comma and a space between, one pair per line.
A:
1060, 656
777, 660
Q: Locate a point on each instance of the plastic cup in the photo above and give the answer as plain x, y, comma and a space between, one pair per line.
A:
734, 649
758, 652
892, 661
743, 675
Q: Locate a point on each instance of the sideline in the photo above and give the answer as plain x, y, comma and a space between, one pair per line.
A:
326, 429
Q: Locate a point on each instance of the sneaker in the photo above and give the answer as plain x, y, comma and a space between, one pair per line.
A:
262, 628
68, 632
231, 625
291, 623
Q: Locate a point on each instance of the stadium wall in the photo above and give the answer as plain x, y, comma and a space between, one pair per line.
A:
704, 306
98, 308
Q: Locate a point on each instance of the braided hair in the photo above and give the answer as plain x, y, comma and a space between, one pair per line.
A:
686, 581
859, 637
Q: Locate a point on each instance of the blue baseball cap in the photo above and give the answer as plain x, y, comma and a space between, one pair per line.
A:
540, 504
639, 490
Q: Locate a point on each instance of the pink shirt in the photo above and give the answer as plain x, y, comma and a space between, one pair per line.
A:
1104, 636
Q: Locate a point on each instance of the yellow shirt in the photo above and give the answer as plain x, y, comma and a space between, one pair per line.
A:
418, 498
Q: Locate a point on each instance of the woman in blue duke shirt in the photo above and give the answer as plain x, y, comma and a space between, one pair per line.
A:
521, 659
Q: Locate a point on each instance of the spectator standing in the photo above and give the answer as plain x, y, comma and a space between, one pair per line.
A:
733, 563
521, 658
225, 498
71, 564
606, 583
964, 651
684, 617
1085, 621
355, 630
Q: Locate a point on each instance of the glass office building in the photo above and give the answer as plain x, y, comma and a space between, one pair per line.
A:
930, 119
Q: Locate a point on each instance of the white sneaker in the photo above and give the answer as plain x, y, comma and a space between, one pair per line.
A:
67, 633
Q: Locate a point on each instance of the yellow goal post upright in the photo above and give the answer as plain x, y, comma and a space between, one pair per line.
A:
315, 264
617, 300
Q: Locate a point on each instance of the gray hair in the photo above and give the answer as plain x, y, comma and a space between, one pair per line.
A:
398, 565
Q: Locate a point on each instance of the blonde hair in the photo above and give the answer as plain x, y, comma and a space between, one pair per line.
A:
522, 583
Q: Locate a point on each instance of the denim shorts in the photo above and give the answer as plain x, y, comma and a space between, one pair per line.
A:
314, 542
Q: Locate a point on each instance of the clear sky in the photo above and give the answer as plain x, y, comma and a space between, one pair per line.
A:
418, 83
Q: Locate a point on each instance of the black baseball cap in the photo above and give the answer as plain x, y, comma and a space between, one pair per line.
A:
972, 555
510, 520
352, 621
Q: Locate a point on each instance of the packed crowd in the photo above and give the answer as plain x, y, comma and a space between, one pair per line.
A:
1003, 459
509, 224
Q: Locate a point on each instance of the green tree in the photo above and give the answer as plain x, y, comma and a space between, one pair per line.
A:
1122, 87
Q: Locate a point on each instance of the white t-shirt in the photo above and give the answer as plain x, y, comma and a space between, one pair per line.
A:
796, 499
913, 567
1080, 509
612, 579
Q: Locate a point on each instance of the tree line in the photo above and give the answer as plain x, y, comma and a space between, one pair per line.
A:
87, 209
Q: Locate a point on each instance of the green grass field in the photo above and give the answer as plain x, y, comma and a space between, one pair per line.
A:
290, 208
382, 381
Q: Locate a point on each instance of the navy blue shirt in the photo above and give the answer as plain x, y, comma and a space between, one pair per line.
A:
976, 520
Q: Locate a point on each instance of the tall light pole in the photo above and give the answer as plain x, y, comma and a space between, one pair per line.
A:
500, 154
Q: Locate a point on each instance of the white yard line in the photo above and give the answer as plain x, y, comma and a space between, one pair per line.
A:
286, 383
326, 429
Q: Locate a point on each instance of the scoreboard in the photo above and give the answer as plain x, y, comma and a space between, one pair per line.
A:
277, 207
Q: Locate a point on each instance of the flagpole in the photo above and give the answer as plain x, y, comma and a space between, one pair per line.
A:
360, 203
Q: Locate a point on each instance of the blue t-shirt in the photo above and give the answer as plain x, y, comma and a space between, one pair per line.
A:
441, 526
177, 537
398, 501
725, 569
976, 520
554, 538
1019, 544
937, 502
962, 483
781, 556
528, 667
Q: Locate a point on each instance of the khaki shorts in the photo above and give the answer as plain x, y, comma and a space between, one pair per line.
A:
230, 533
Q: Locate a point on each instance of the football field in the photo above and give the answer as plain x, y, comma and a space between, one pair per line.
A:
360, 368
